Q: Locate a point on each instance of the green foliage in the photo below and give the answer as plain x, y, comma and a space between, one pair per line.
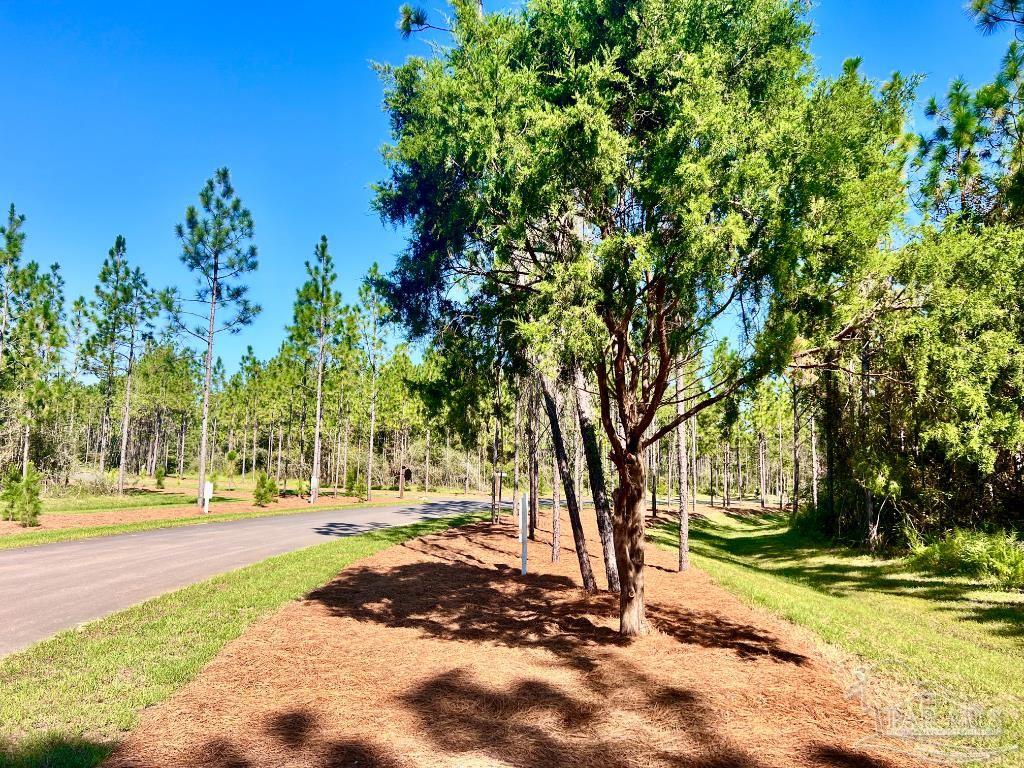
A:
216, 246
160, 475
21, 495
997, 557
265, 491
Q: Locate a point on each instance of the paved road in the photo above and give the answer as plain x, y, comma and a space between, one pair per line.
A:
56, 586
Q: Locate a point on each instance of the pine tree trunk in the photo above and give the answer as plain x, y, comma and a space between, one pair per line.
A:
515, 455
369, 452
681, 463
693, 458
494, 474
245, 443
556, 510
207, 381
181, 448
533, 462
25, 446
400, 443
560, 466
653, 453
314, 475
796, 450
126, 417
726, 471
598, 484
814, 464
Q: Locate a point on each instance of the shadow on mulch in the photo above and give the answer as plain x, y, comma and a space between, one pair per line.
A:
460, 715
459, 600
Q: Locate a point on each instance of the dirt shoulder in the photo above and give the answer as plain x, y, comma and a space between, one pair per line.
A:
52, 521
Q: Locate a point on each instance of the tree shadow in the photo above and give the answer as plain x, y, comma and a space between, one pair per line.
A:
297, 737
533, 723
459, 598
50, 750
1005, 620
838, 757
780, 551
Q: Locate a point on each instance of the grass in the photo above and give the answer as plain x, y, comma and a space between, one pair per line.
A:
955, 634
65, 701
137, 499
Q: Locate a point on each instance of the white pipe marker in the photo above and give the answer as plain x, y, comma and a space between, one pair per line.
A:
524, 525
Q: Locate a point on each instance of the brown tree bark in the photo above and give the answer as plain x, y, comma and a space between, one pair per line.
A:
628, 524
598, 485
562, 468
681, 470
533, 462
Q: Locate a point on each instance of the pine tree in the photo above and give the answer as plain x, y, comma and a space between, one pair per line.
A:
318, 315
372, 315
217, 247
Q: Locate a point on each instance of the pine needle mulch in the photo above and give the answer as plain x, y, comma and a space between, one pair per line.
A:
439, 653
98, 519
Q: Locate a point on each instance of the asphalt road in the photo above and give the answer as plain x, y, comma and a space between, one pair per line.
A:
57, 586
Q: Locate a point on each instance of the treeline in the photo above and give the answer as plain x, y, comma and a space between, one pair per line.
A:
113, 389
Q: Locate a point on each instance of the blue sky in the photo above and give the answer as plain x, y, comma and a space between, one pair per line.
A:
115, 113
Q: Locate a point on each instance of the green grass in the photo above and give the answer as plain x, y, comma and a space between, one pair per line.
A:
65, 701
136, 499
953, 633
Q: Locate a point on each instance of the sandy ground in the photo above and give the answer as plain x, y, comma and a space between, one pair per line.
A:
57, 520
439, 653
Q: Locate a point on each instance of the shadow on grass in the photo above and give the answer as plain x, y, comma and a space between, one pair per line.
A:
53, 751
767, 545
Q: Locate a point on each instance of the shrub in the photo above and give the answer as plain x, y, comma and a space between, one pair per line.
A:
21, 496
995, 556
265, 491
160, 475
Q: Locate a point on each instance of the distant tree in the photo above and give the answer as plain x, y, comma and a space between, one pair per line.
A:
21, 495
372, 315
318, 320
36, 343
265, 491
216, 242
10, 260
122, 313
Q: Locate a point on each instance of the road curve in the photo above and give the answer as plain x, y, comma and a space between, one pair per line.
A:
65, 584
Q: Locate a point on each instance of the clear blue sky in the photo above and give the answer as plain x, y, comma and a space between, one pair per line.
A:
115, 113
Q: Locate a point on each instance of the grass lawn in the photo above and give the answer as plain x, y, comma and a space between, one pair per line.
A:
64, 701
959, 636
134, 499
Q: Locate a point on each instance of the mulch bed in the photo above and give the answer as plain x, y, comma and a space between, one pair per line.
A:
439, 653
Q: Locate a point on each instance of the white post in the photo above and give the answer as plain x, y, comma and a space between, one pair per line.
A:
207, 495
524, 526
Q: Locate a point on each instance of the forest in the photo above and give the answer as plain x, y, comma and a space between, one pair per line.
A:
633, 275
